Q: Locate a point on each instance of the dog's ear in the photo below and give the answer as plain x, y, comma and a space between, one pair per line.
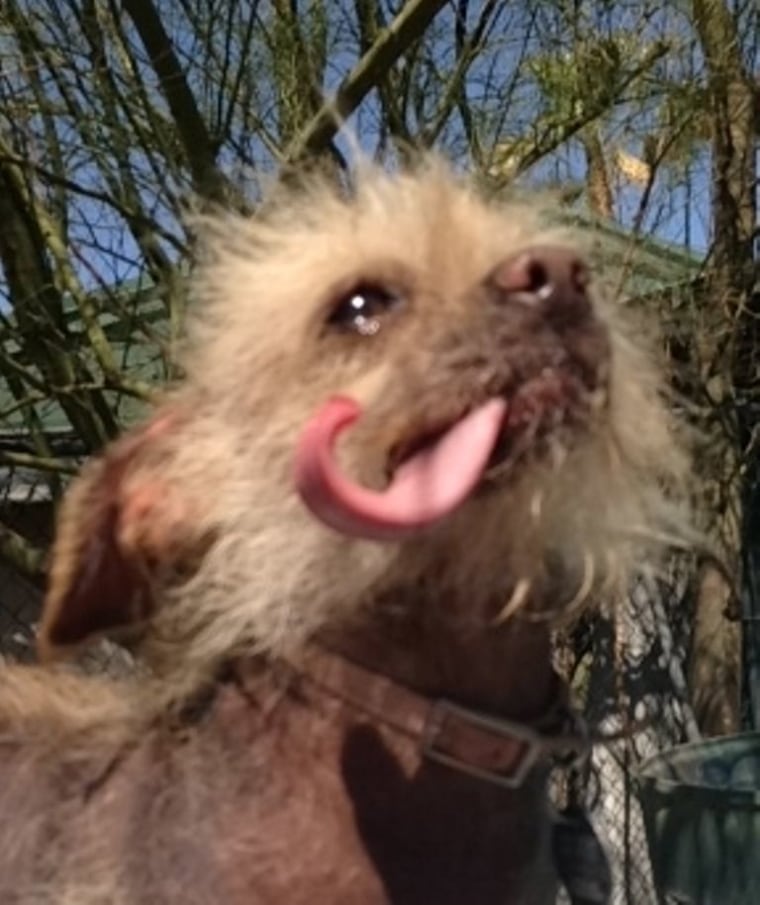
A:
119, 525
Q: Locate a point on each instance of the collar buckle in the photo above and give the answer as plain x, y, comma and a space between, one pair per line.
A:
488, 748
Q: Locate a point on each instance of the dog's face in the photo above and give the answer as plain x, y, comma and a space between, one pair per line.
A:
407, 388
508, 369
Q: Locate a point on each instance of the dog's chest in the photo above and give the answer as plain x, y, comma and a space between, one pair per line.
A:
290, 806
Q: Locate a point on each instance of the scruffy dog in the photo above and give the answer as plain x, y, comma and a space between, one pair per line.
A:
410, 436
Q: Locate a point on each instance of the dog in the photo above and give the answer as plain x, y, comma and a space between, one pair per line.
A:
411, 435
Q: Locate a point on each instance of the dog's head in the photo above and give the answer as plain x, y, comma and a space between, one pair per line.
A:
401, 389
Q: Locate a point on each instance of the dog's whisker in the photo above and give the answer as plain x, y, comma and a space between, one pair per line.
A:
581, 596
516, 601
536, 505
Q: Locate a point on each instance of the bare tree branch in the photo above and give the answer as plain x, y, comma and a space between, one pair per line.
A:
198, 147
389, 45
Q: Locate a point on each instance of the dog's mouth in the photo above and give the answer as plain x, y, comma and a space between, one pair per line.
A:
534, 409
434, 470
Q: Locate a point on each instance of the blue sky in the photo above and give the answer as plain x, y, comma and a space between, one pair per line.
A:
679, 211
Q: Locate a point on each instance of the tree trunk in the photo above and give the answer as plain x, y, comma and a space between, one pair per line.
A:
732, 124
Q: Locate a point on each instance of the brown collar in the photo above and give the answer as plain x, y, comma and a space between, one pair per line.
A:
488, 747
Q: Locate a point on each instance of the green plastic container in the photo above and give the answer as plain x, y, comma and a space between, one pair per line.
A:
701, 806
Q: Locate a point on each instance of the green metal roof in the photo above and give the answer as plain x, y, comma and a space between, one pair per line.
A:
643, 266
138, 355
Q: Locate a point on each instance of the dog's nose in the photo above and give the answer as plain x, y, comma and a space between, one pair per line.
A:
553, 277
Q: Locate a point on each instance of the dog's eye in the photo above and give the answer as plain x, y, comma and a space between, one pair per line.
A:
360, 310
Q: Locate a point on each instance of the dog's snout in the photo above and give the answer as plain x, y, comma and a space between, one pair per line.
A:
553, 277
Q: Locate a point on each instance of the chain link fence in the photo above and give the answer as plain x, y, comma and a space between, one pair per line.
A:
629, 676
26, 508
19, 609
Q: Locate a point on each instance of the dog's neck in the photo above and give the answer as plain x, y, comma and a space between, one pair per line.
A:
505, 670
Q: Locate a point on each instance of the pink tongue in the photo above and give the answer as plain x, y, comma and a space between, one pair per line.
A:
428, 486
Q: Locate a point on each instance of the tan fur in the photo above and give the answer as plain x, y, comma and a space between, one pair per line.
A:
275, 575
251, 570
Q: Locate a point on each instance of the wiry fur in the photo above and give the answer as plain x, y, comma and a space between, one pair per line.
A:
258, 369
252, 570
